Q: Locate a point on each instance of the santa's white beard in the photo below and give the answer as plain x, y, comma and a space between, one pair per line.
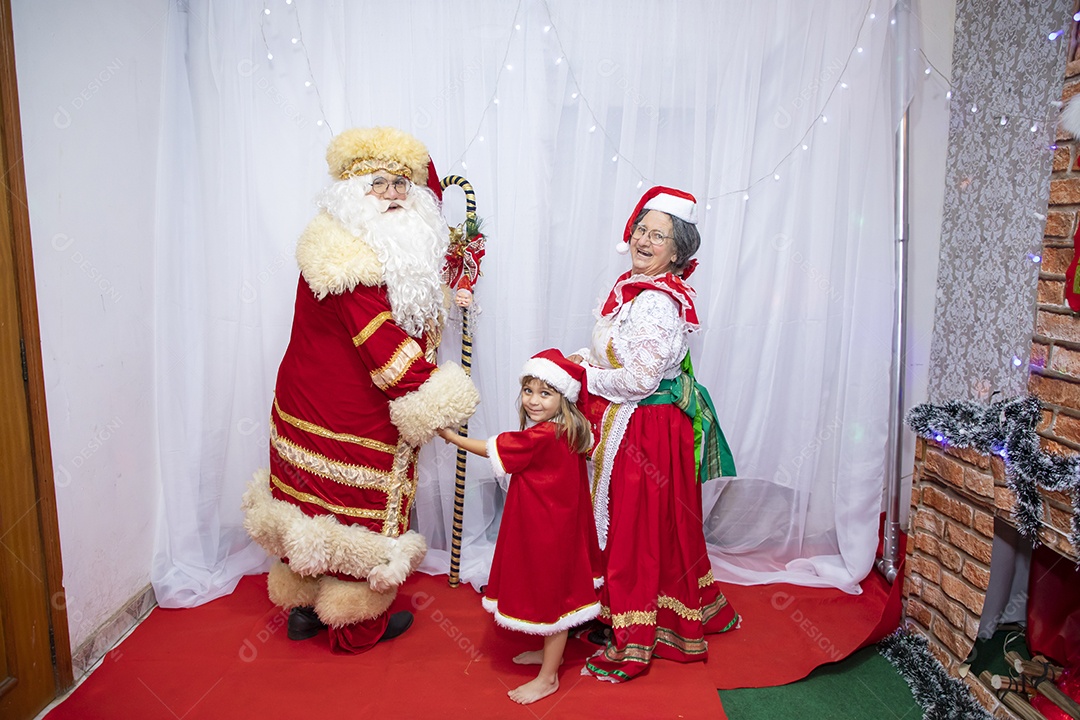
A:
410, 242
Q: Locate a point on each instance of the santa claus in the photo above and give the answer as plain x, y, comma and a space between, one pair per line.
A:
357, 393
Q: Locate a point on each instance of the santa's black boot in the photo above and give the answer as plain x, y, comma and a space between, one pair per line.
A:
304, 623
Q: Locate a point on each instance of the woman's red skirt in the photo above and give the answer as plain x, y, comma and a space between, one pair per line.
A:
659, 595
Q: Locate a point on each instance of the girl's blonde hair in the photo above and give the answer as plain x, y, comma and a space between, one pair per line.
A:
569, 421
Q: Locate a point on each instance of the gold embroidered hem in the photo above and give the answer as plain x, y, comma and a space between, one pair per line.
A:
402, 490
631, 653
391, 373
315, 500
356, 476
648, 617
374, 324
396, 487
678, 608
687, 646
713, 609
314, 429
633, 617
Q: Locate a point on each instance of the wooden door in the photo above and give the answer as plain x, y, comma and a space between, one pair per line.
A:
35, 655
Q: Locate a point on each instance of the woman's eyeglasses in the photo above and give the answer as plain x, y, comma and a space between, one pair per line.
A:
654, 236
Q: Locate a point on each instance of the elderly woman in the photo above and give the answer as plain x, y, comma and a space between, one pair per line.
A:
657, 438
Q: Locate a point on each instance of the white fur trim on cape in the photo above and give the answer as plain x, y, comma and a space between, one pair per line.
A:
342, 603
319, 545
446, 399
566, 622
544, 369
333, 260
287, 589
682, 208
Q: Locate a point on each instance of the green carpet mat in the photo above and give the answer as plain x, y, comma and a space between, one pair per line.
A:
863, 686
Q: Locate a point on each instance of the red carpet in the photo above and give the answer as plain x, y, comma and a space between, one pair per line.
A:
230, 658
788, 630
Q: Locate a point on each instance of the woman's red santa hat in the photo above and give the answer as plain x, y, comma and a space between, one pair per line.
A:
674, 202
552, 367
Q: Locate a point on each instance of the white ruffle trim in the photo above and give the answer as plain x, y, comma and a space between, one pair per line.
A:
566, 622
684, 302
612, 444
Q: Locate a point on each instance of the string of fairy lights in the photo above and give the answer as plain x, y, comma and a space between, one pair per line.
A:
1045, 122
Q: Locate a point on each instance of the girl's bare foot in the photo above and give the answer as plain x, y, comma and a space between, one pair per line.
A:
531, 657
533, 690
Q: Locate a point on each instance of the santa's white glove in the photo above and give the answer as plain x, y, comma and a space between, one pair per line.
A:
386, 577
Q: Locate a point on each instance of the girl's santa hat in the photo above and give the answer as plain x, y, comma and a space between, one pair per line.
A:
552, 367
674, 202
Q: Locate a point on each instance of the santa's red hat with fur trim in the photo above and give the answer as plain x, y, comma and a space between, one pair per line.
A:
361, 151
674, 202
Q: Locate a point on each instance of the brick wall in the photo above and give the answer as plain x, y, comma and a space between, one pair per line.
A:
956, 494
948, 561
1055, 348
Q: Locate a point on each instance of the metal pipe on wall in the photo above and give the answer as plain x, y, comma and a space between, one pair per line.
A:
894, 456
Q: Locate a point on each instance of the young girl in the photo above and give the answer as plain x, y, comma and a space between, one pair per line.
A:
547, 562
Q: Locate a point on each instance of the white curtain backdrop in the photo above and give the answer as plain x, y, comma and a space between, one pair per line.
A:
776, 115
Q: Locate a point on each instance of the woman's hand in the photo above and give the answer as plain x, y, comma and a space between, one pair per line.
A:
576, 359
463, 298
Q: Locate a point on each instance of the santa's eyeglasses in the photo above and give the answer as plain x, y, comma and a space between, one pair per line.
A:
379, 185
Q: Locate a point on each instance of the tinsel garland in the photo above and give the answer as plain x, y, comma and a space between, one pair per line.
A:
941, 696
1007, 428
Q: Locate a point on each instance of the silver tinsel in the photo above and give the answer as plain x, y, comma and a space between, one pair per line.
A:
1007, 428
941, 697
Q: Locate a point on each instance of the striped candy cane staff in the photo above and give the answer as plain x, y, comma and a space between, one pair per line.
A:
462, 270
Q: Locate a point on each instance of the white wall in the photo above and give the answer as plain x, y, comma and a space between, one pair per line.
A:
89, 76
928, 141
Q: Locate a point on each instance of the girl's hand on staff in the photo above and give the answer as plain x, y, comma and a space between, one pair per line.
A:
446, 434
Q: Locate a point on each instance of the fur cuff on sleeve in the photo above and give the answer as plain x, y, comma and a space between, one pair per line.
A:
493, 455
405, 557
447, 399
501, 476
